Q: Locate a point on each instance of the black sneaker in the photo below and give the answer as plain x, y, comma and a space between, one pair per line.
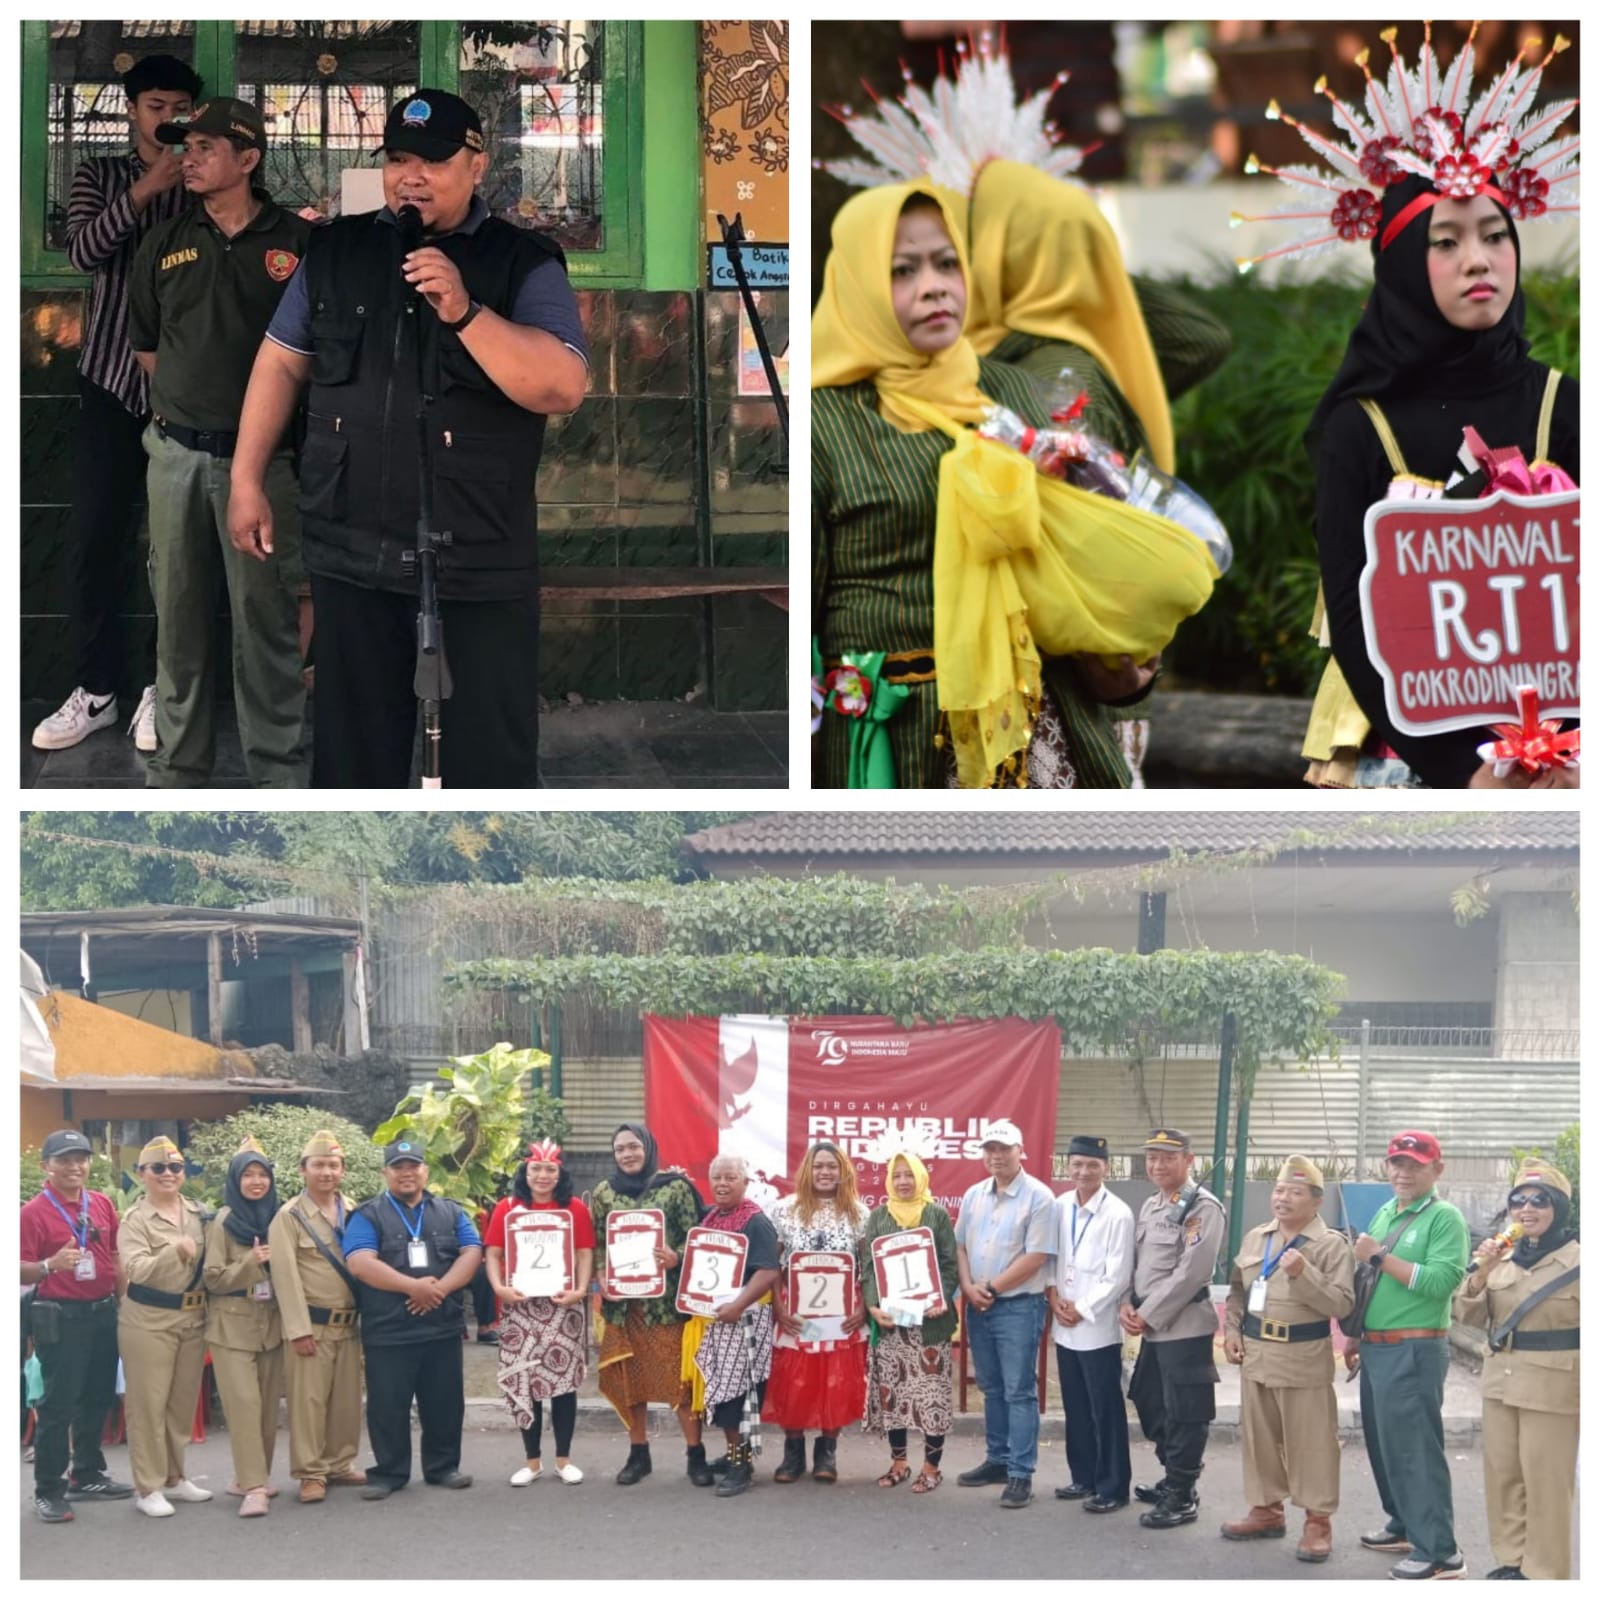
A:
1416, 1567
989, 1472
1103, 1503
1017, 1493
1172, 1510
52, 1508
1074, 1491
1506, 1572
99, 1489
1149, 1492
488, 1336
1387, 1540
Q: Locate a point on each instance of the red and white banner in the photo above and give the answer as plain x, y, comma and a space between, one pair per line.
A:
767, 1088
1464, 602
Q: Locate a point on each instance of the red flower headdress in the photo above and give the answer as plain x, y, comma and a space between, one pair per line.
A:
1426, 122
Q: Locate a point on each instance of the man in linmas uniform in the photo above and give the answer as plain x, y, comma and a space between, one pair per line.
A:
1177, 1237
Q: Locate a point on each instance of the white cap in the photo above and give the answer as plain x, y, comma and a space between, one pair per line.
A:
1001, 1131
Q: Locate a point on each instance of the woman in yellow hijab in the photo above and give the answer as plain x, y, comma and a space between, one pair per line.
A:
909, 1367
960, 578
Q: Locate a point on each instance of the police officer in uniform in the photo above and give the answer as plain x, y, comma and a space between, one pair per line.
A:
317, 1304
242, 1325
1176, 1239
1530, 1375
203, 289
413, 1254
161, 1328
1290, 1277
502, 347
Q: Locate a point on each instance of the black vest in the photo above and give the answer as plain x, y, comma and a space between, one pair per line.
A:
358, 468
385, 1318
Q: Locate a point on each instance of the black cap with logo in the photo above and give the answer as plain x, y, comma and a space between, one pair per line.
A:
65, 1143
433, 124
223, 116
404, 1150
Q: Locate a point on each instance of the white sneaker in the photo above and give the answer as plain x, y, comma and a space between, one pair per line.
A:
78, 717
569, 1474
143, 726
187, 1492
523, 1476
154, 1504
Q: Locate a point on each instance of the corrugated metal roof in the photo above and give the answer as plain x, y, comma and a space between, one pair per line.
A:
1137, 833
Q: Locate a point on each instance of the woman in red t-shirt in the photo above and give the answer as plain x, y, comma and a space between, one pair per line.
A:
544, 1345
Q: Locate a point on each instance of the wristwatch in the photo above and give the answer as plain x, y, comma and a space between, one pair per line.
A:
44, 1268
473, 308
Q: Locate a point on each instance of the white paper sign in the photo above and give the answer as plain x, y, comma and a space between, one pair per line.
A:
539, 1253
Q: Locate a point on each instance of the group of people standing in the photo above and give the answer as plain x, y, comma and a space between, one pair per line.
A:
214, 313
299, 1297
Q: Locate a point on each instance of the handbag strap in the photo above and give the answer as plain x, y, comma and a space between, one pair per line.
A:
1499, 1335
1391, 445
1547, 410
326, 1254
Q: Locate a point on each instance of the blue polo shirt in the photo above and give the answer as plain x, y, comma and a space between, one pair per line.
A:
544, 301
359, 1233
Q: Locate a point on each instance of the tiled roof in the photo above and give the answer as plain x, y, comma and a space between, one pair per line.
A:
1131, 832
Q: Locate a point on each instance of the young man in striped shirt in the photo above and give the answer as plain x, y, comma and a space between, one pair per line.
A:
114, 202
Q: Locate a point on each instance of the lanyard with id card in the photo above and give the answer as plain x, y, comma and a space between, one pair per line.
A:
416, 1245
1257, 1302
83, 1270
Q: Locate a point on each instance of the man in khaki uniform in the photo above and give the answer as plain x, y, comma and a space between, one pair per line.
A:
1176, 1240
1291, 1275
1530, 1383
316, 1301
161, 1329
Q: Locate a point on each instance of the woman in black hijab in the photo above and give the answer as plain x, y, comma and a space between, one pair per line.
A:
1440, 347
243, 1327
1526, 1298
641, 1353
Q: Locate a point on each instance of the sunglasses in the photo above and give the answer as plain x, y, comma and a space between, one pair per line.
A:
162, 1168
1539, 1200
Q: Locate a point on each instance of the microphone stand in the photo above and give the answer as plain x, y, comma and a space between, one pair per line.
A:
431, 681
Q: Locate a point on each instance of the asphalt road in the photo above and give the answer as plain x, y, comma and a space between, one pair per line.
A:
870, 1533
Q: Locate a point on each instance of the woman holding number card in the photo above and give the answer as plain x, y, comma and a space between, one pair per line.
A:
543, 1340
1440, 347
818, 1360
641, 1353
909, 1366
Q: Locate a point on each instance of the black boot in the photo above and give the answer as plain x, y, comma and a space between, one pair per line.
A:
824, 1460
700, 1473
1175, 1507
740, 1473
793, 1466
637, 1465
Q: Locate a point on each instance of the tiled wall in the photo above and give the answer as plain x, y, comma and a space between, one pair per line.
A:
664, 465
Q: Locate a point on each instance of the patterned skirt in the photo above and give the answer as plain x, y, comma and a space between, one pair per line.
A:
817, 1389
908, 1383
544, 1351
641, 1362
724, 1356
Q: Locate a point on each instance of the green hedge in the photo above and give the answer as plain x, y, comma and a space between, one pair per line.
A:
1239, 446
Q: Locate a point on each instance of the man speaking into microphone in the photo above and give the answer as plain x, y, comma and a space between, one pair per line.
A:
502, 347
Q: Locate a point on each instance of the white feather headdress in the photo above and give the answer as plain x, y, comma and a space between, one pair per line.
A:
1424, 121
919, 1142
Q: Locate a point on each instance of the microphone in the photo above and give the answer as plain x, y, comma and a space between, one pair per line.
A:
408, 220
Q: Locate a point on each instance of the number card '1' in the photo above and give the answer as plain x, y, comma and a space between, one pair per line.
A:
539, 1259
906, 1266
632, 1239
713, 1270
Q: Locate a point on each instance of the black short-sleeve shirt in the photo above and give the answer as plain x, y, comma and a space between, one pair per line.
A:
202, 301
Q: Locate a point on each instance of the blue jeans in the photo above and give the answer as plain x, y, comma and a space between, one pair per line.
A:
1005, 1357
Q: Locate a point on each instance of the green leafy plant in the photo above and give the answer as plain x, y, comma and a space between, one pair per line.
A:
473, 1129
281, 1131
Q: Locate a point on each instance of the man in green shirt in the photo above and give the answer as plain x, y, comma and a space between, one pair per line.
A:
1404, 1355
203, 289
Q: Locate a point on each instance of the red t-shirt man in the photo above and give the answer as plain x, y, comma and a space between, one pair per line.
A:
50, 1223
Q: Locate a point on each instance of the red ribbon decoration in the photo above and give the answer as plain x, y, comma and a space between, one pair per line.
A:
1507, 470
1533, 745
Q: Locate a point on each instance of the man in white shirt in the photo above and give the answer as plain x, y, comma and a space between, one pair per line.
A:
1093, 1269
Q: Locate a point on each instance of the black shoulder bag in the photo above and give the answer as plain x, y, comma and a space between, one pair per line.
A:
1354, 1324
328, 1256
1500, 1337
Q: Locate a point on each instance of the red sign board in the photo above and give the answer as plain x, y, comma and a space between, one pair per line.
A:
1466, 601
768, 1088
